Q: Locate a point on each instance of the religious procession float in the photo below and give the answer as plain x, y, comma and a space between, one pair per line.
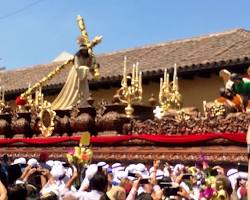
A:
125, 128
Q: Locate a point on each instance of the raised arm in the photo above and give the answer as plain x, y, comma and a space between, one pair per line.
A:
3, 192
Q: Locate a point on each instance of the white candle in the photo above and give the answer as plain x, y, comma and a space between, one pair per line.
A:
160, 92
140, 80
168, 80
137, 71
161, 84
176, 84
167, 83
165, 76
3, 97
204, 107
125, 71
174, 75
41, 98
133, 75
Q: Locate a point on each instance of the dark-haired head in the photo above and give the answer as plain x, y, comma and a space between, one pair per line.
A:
236, 77
18, 191
99, 182
14, 172
5, 158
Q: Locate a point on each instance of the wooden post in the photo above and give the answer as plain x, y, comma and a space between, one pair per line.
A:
248, 152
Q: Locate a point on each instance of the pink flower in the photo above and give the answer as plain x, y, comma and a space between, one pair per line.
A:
71, 151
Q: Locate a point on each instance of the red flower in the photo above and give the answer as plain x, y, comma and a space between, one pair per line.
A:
85, 157
20, 101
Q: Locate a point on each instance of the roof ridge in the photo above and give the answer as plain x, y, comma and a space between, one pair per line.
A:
241, 31
244, 32
195, 38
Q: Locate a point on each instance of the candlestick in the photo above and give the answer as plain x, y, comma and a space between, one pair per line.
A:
131, 92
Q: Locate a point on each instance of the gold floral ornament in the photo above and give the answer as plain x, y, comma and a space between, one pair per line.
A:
182, 115
81, 155
217, 109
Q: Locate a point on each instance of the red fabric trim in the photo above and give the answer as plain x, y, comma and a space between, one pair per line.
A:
173, 139
181, 139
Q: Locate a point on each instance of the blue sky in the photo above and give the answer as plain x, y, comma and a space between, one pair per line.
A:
41, 32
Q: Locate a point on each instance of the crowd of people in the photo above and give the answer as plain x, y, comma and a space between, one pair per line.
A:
52, 179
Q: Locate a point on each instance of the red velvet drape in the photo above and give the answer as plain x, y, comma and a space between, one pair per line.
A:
167, 139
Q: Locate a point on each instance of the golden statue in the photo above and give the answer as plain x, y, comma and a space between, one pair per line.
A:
83, 62
75, 89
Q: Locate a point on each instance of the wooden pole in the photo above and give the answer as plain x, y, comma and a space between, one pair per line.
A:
248, 152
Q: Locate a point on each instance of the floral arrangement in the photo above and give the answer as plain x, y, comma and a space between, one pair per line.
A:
81, 155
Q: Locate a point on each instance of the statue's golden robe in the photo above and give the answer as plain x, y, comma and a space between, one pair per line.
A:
76, 88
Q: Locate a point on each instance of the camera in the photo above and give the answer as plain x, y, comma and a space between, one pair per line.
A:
214, 172
144, 181
169, 188
131, 174
171, 191
186, 176
37, 173
66, 165
242, 167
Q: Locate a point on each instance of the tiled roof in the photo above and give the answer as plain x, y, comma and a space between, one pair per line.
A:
219, 47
